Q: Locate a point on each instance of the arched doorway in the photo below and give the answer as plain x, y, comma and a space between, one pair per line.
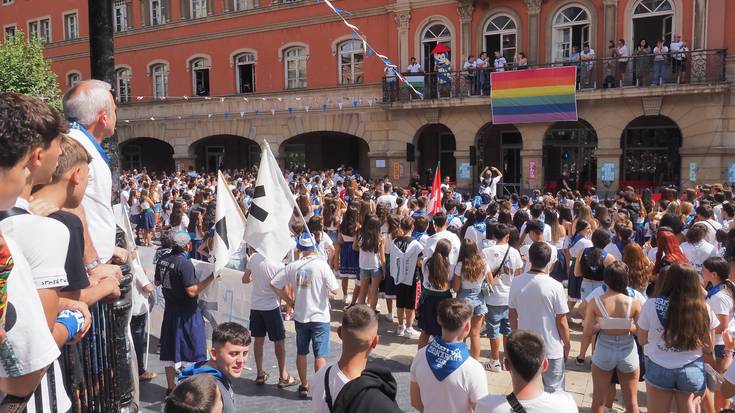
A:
500, 146
653, 20
436, 144
650, 153
326, 150
571, 28
225, 152
569, 156
501, 34
150, 153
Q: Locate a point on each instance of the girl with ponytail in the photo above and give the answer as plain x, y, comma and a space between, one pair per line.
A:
721, 299
435, 288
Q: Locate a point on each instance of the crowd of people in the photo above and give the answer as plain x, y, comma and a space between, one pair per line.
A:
648, 273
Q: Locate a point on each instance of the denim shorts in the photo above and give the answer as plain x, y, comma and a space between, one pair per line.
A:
270, 322
616, 352
589, 286
553, 377
687, 379
376, 273
474, 297
317, 334
720, 352
497, 321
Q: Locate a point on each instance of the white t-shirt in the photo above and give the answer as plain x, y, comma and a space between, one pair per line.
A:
312, 280
538, 299
698, 253
527, 266
389, 200
613, 250
475, 235
722, 304
453, 254
489, 186
263, 271
712, 227
656, 348
580, 246
651, 254
325, 247
527, 240
97, 200
469, 65
467, 284
414, 68
466, 384
557, 402
500, 64
337, 380
501, 287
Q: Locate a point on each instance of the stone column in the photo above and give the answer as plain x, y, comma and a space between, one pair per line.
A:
465, 10
610, 15
710, 168
534, 29
402, 20
182, 162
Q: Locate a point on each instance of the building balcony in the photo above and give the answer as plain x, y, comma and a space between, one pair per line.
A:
596, 79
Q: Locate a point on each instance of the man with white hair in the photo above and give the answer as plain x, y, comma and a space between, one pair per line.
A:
90, 108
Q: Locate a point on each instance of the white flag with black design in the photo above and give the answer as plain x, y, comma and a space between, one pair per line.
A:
229, 226
267, 229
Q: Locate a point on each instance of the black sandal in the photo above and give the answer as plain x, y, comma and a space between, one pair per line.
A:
288, 382
303, 392
260, 380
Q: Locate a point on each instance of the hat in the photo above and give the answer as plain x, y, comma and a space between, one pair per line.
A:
181, 239
306, 242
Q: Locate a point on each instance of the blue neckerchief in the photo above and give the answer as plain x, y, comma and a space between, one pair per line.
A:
689, 219
417, 235
713, 289
662, 308
77, 126
420, 212
444, 358
185, 255
629, 290
450, 217
480, 227
576, 238
515, 205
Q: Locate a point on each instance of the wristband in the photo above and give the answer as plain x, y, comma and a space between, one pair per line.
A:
92, 265
73, 320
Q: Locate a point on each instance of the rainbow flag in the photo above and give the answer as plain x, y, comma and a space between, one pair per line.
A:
534, 95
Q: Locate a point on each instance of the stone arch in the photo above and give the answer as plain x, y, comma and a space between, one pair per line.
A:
241, 51
224, 151
325, 149
678, 26
198, 56
289, 45
500, 146
154, 62
152, 153
569, 154
650, 152
435, 144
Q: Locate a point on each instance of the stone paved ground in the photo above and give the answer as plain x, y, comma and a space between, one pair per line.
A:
394, 352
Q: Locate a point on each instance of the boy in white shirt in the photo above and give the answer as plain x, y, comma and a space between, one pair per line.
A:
535, 232
444, 378
526, 361
441, 224
313, 281
537, 302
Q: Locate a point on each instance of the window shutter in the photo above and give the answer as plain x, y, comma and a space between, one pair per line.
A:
210, 7
185, 9
145, 13
129, 15
166, 10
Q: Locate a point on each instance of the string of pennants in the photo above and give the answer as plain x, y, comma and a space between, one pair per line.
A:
257, 106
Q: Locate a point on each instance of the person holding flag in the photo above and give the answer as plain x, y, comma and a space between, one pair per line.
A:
435, 197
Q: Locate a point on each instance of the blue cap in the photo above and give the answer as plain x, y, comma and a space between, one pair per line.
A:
306, 242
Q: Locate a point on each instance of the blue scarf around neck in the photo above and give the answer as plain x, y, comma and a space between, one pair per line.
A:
444, 358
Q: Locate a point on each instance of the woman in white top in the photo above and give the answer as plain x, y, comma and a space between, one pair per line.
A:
676, 329
696, 249
371, 260
611, 317
470, 273
721, 299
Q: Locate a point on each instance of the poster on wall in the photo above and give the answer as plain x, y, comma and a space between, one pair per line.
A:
532, 169
607, 172
380, 163
463, 171
731, 173
396, 170
692, 172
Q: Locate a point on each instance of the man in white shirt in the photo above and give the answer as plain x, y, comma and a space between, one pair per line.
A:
388, 198
675, 48
265, 316
526, 360
312, 281
504, 263
623, 54
359, 335
535, 232
440, 225
536, 210
413, 66
538, 303
587, 56
705, 215
489, 183
444, 378
500, 63
90, 107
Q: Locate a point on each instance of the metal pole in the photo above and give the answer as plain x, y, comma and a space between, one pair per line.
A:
102, 61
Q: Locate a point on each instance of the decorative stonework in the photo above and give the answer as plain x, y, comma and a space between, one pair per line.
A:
465, 10
534, 6
652, 105
402, 20
613, 3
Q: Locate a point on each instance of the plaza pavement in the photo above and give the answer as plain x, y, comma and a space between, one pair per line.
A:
393, 352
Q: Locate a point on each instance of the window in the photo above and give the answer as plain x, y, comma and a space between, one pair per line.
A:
245, 72
500, 35
7, 2
238, 5
351, 57
9, 32
157, 12
122, 79
295, 67
120, 15
433, 35
653, 20
72, 79
200, 76
71, 26
40, 28
198, 8
159, 73
571, 29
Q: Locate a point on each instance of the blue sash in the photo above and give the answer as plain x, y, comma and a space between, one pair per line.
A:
480, 227
444, 358
662, 308
417, 235
77, 126
712, 290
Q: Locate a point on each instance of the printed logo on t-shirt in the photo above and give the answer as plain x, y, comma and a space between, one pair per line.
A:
304, 277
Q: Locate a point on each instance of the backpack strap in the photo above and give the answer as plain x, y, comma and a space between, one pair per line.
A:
12, 212
327, 392
515, 405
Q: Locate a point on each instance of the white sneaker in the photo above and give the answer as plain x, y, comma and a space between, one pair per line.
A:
390, 317
493, 366
411, 333
401, 331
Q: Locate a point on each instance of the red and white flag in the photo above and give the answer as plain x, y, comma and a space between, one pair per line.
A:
435, 198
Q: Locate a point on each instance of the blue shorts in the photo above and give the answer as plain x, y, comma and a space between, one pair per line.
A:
271, 322
476, 299
376, 273
687, 379
317, 334
497, 321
